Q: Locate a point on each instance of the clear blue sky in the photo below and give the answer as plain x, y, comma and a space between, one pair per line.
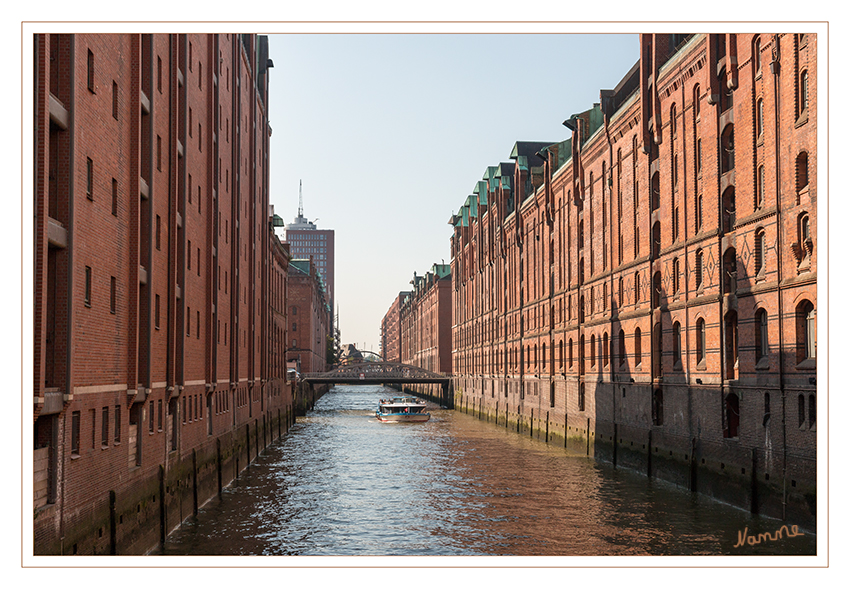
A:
390, 133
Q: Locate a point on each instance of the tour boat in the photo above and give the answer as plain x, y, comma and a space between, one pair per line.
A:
402, 409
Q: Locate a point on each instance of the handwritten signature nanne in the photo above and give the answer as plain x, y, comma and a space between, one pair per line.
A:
744, 538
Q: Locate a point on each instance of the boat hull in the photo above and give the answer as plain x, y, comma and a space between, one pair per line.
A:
403, 417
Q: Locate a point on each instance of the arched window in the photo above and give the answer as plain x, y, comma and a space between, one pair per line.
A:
656, 239
622, 338
675, 276
804, 247
698, 268
696, 102
655, 187
592, 350
677, 343
570, 363
757, 56
806, 343
761, 339
730, 271
731, 344
637, 287
728, 212
727, 149
700, 340
673, 121
759, 119
637, 346
760, 187
605, 348
656, 289
804, 92
759, 252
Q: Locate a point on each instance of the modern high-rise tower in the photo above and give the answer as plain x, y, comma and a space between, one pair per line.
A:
306, 241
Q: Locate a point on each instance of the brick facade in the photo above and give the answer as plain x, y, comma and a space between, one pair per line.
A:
391, 330
310, 317
645, 291
153, 382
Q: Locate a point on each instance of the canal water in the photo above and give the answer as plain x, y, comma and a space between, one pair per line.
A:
341, 483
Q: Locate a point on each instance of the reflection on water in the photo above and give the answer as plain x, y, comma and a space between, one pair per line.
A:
343, 483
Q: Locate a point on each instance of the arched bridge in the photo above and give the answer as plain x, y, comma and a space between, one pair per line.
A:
381, 373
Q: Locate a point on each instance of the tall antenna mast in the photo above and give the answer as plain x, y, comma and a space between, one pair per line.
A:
300, 201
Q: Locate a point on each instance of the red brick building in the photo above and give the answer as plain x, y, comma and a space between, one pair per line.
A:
424, 319
154, 379
391, 330
310, 317
645, 290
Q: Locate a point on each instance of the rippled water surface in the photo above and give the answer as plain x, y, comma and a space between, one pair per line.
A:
342, 483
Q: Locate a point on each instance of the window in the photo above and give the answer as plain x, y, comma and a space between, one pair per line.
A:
605, 348
804, 92
87, 296
637, 346
159, 415
700, 341
696, 102
806, 342
114, 100
115, 197
581, 396
159, 74
117, 428
75, 429
760, 119
159, 153
698, 212
757, 56
156, 312
570, 363
760, 187
189, 257
727, 149
637, 287
112, 294
759, 252
89, 179
90, 71
801, 411
104, 428
698, 269
676, 275
622, 339
593, 350
677, 343
762, 346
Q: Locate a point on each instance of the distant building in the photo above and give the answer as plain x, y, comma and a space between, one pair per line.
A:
309, 315
391, 330
307, 242
425, 316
